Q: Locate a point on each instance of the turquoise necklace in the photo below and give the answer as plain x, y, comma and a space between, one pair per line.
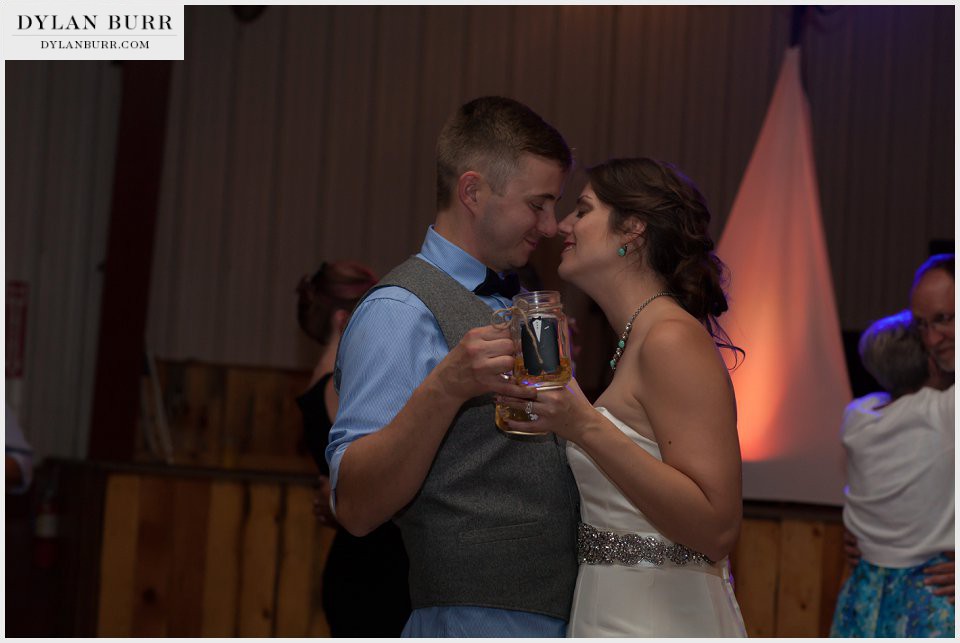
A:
626, 331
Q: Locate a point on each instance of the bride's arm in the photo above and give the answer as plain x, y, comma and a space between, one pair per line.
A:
694, 496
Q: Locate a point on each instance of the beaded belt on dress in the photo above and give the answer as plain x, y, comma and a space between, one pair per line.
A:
595, 547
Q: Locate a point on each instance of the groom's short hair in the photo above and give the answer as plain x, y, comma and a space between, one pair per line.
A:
489, 135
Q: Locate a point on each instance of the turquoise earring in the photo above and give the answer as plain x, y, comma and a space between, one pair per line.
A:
622, 251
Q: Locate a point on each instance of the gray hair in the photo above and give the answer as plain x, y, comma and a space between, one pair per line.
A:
942, 262
892, 352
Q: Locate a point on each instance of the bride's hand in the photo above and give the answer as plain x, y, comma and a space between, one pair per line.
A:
564, 411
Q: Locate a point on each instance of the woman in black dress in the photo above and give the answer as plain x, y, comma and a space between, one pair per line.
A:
365, 590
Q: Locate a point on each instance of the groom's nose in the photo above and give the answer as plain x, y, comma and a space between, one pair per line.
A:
547, 224
566, 225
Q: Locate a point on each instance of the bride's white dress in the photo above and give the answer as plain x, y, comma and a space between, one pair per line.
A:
642, 599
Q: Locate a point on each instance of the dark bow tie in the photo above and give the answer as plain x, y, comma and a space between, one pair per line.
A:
508, 287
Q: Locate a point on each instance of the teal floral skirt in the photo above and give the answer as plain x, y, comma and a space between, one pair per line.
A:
888, 602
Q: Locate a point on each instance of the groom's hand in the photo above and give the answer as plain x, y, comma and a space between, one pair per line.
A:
477, 366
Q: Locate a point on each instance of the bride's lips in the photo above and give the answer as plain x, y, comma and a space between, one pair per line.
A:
567, 245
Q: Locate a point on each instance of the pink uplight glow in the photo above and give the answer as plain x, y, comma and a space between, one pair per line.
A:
793, 385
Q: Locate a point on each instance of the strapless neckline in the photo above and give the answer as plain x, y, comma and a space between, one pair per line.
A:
626, 428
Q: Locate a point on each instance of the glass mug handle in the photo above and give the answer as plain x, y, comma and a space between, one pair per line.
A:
542, 357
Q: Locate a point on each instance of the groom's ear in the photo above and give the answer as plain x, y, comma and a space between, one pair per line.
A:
470, 190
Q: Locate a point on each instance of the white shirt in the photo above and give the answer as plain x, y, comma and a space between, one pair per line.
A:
900, 473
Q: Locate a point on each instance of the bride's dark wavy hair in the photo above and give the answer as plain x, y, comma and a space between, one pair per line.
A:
676, 238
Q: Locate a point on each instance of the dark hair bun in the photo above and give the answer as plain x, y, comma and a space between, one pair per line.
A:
335, 286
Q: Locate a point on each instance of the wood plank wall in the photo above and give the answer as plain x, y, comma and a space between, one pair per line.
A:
788, 572
242, 557
202, 556
232, 417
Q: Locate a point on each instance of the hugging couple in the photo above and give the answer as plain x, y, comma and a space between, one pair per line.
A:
619, 522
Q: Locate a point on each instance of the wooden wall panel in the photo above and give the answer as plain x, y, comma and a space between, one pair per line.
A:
227, 416
297, 564
800, 580
756, 582
203, 397
221, 571
189, 527
152, 590
244, 556
834, 573
118, 556
258, 561
238, 417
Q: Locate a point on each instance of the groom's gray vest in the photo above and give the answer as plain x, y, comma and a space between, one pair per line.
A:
495, 522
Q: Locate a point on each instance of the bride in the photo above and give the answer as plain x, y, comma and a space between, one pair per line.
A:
657, 459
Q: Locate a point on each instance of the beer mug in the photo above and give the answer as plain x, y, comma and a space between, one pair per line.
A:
542, 358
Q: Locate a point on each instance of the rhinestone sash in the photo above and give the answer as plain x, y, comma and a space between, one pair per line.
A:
595, 547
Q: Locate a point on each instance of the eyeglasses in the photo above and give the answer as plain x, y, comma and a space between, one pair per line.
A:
939, 322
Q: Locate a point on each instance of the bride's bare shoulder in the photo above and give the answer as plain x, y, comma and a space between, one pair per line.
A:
674, 332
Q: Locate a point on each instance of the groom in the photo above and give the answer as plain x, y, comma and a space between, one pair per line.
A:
489, 521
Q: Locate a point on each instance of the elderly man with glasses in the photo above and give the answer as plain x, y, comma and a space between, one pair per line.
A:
932, 306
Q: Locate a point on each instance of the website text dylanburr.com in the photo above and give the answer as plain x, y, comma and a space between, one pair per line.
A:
94, 44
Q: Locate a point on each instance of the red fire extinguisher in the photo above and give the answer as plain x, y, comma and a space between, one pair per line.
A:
46, 527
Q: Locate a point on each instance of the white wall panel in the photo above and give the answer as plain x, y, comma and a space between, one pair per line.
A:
308, 135
61, 129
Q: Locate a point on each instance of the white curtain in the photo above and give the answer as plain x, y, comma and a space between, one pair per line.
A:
792, 386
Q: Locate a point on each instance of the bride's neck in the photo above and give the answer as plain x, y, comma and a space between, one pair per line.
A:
621, 296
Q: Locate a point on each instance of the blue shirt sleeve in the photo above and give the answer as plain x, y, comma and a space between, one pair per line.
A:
19, 449
389, 347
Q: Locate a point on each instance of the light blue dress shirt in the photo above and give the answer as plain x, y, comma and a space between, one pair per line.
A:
389, 347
